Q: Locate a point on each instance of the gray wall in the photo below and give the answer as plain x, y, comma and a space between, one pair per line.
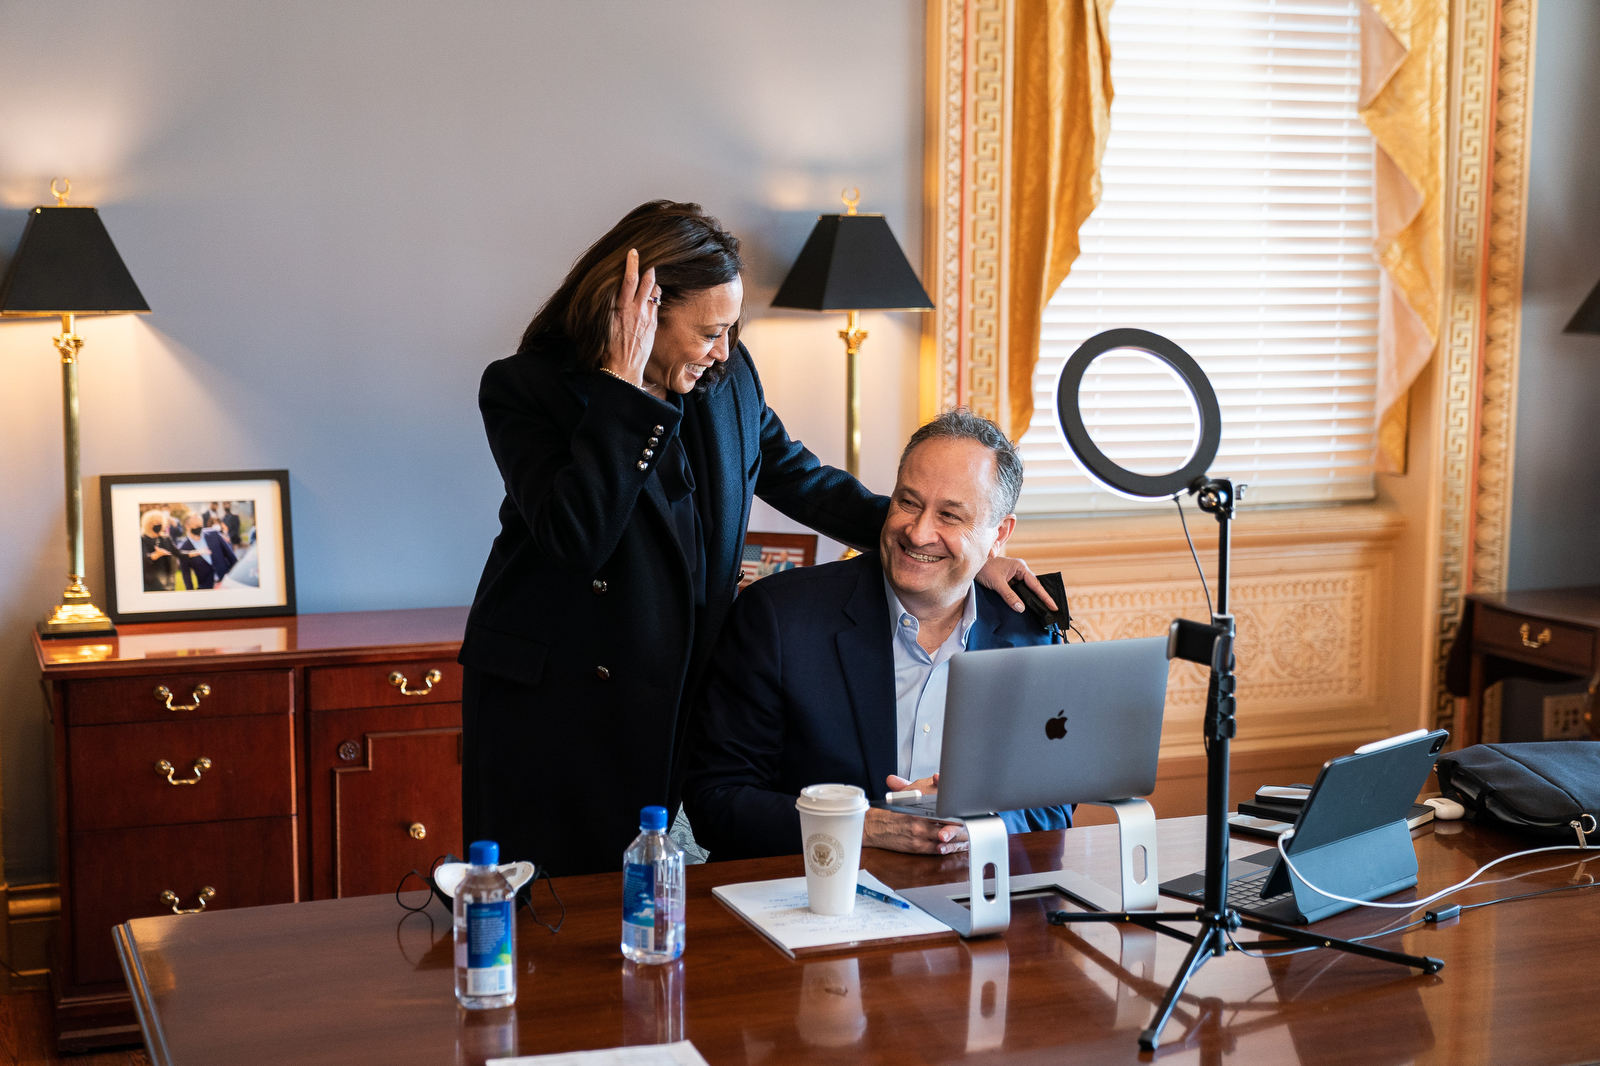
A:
340, 212
1555, 512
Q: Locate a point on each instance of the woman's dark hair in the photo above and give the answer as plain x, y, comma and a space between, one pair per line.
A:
689, 249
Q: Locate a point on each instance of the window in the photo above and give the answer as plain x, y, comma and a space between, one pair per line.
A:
1237, 220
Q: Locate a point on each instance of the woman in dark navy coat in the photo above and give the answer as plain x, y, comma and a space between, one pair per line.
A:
631, 432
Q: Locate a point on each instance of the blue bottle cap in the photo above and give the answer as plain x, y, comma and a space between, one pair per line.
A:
484, 853
653, 818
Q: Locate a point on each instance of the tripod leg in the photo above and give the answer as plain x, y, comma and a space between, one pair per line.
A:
1205, 945
1425, 963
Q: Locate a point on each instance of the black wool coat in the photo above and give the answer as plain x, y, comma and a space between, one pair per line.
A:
584, 643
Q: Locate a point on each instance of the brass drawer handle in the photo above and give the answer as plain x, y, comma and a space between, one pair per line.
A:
1537, 642
200, 692
417, 830
170, 898
201, 765
398, 680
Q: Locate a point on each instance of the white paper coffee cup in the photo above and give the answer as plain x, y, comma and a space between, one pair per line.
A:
831, 821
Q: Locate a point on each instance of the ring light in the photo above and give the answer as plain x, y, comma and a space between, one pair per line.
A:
1100, 466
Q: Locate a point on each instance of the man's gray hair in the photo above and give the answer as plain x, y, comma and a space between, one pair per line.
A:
962, 424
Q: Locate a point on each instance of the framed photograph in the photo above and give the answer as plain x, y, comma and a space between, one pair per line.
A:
181, 547
767, 553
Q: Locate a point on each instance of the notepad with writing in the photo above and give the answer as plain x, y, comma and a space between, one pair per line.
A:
682, 1053
778, 911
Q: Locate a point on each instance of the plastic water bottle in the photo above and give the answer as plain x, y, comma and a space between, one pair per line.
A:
486, 932
652, 892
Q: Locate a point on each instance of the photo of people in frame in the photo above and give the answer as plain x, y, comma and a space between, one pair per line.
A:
194, 545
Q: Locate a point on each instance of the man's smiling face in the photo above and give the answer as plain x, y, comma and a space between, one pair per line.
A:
941, 527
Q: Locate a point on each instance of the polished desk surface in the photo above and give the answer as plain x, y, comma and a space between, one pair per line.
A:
300, 639
1577, 606
355, 980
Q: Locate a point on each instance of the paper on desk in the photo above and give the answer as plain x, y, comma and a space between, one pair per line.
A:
778, 909
682, 1053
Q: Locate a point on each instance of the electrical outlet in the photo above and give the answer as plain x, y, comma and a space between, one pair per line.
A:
1564, 717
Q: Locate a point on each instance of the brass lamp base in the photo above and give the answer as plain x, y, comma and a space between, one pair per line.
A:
76, 615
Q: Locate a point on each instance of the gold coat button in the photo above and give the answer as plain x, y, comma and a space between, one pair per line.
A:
659, 430
602, 673
642, 465
652, 442
598, 586
648, 454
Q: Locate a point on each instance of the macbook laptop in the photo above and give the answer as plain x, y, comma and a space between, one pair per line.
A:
1048, 725
1351, 837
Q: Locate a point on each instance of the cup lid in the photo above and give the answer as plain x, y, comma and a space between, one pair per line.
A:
831, 799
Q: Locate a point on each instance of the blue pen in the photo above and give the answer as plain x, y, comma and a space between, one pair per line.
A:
863, 890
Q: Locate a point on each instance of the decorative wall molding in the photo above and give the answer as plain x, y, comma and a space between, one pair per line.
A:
1490, 97
968, 175
1508, 217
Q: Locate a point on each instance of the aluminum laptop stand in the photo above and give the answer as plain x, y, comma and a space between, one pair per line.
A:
981, 905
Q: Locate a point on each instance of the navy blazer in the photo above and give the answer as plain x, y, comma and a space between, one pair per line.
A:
800, 691
585, 616
199, 573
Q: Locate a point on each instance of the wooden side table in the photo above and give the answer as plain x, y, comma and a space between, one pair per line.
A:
237, 763
1543, 635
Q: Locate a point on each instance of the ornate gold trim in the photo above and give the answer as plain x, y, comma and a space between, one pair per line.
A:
1491, 70
967, 172
1508, 207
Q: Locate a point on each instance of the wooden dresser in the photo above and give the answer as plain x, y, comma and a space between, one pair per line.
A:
239, 763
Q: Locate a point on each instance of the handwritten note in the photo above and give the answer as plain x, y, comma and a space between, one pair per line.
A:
682, 1053
778, 909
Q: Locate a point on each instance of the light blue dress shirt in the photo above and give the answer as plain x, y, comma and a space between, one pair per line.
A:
920, 681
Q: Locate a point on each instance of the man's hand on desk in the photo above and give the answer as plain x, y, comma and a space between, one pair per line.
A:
907, 832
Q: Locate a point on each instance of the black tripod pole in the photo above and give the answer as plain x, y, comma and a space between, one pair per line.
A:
1213, 645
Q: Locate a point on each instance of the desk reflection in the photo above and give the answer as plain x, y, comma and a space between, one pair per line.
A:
830, 1013
652, 1002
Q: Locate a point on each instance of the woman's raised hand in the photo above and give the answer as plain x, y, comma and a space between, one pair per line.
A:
633, 322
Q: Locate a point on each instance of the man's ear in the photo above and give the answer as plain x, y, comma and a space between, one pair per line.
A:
1002, 534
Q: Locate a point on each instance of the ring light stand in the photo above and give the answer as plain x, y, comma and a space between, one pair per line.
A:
1209, 645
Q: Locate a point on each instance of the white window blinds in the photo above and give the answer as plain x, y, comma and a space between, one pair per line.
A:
1237, 220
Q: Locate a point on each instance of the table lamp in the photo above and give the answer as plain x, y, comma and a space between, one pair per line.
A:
1587, 317
66, 265
852, 263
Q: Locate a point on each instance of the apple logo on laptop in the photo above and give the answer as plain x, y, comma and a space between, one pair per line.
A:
1056, 728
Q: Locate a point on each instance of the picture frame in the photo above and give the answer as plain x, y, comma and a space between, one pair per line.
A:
768, 553
185, 547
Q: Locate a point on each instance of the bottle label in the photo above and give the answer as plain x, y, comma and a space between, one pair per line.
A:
489, 932
639, 902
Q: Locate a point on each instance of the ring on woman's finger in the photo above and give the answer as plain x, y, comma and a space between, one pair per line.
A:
654, 299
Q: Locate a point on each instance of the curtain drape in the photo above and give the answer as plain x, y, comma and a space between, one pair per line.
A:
1404, 83
1061, 116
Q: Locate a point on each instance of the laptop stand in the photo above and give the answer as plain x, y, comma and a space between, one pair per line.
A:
981, 905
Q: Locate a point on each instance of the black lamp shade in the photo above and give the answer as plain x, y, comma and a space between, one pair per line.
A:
66, 264
852, 263
1587, 320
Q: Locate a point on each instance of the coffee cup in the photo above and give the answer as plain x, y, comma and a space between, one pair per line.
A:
831, 821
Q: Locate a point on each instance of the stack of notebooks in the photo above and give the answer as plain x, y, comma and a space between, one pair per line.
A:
1276, 807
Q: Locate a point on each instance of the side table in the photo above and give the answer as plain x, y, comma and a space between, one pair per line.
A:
1543, 635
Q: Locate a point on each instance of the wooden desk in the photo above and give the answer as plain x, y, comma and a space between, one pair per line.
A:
1545, 635
354, 980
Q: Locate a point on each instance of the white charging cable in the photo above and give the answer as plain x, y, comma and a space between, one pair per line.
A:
1413, 904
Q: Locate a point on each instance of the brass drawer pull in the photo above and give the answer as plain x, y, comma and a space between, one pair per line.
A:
417, 830
170, 898
201, 765
1537, 642
398, 680
200, 692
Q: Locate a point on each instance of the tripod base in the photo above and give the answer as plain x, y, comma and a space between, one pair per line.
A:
1212, 940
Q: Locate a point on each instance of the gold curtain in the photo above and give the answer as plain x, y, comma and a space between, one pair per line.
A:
1404, 84
1061, 115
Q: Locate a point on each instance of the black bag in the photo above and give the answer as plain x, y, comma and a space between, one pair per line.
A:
1547, 790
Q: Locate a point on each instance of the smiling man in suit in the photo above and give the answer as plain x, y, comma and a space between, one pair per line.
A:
837, 673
